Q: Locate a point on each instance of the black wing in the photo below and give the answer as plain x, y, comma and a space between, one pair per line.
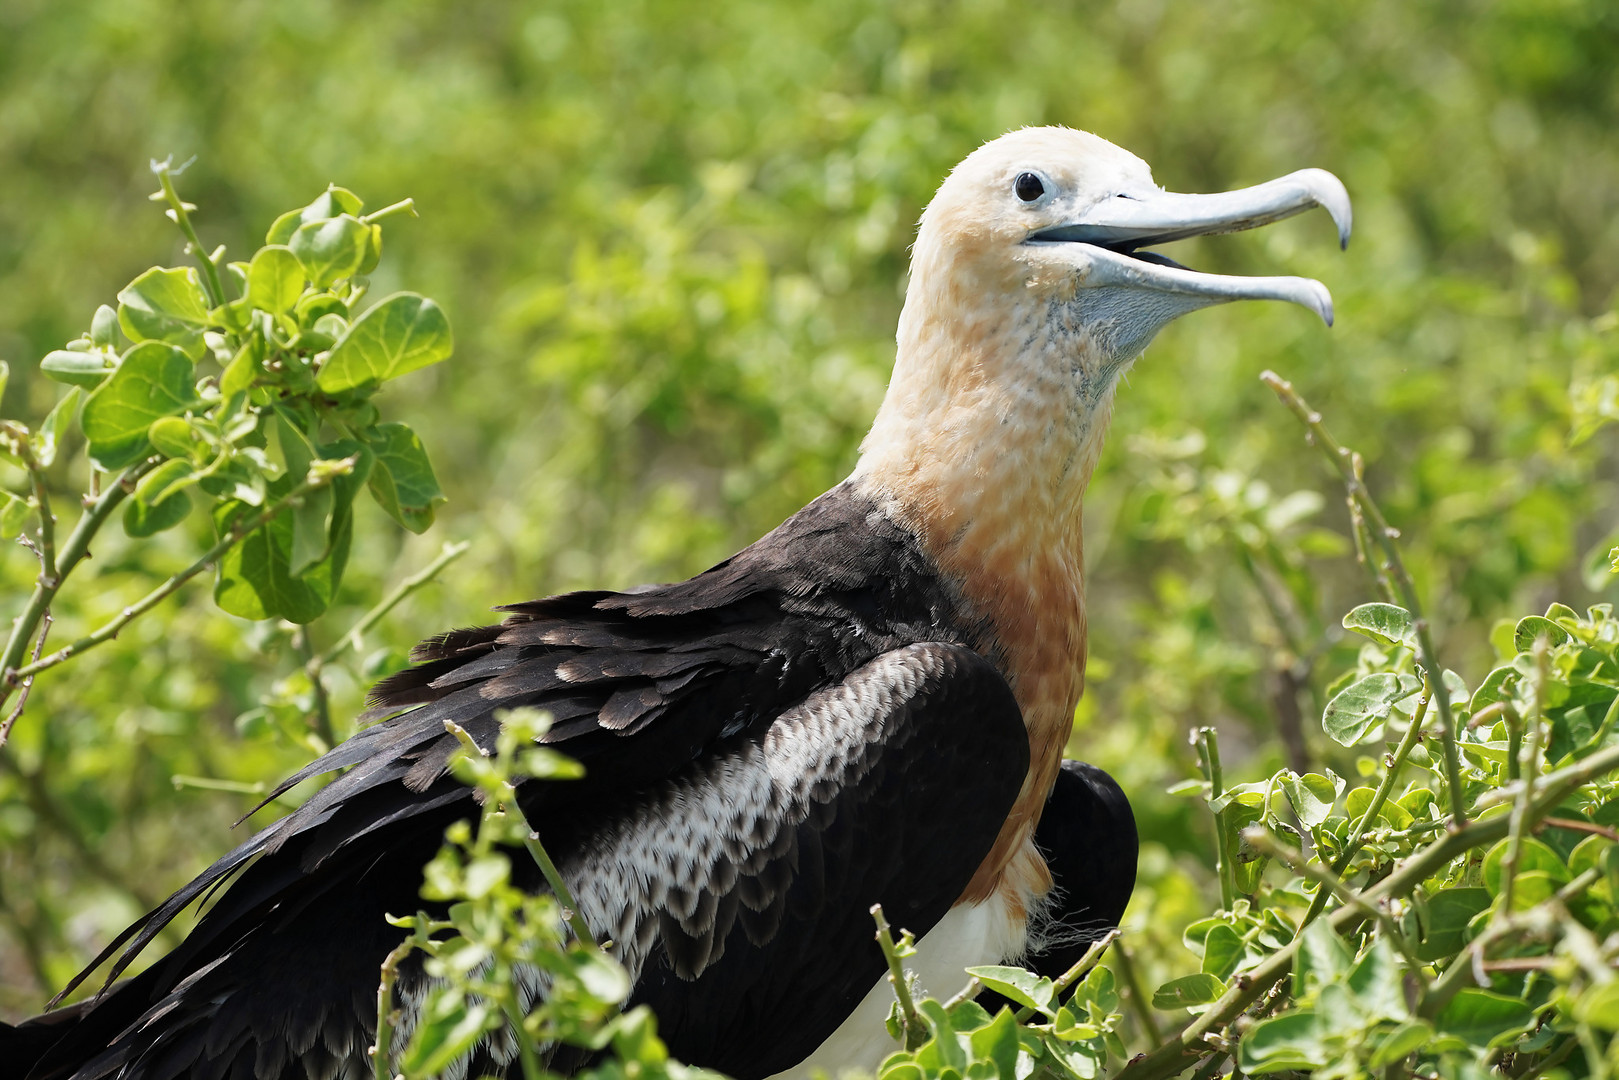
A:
752, 930
642, 686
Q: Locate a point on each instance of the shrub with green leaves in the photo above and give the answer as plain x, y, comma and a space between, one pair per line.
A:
245, 387
1450, 910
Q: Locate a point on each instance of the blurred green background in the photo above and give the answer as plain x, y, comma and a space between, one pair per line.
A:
672, 240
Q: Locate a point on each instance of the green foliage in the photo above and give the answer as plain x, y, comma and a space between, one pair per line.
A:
495, 938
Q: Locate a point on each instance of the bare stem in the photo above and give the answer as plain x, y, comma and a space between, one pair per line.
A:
233, 536
355, 635
387, 1012
75, 550
1208, 752
911, 1027
1383, 535
321, 716
179, 210
1139, 1003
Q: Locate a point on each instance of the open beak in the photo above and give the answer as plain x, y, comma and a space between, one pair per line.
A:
1117, 228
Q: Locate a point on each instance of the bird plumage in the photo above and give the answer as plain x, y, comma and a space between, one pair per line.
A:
867, 705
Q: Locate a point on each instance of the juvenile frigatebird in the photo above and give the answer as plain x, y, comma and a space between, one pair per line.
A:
869, 704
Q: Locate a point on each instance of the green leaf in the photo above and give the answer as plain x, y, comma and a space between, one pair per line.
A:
85, 369
1482, 1017
48, 439
1384, 623
1448, 912
1497, 686
166, 305
1282, 1043
1312, 795
1015, 984
146, 517
445, 1033
330, 250
153, 381
255, 577
1322, 958
104, 328
1188, 990
328, 204
1222, 951
1599, 1006
244, 369
5, 377
275, 279
1403, 1041
1532, 627
1532, 855
997, 1042
1366, 703
402, 481
14, 511
1376, 984
398, 335
162, 482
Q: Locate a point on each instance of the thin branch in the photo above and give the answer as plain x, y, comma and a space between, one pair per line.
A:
75, 550
1327, 881
28, 683
1357, 833
240, 529
1138, 1001
320, 717
1383, 534
1526, 790
911, 1028
1208, 752
179, 213
1081, 967
355, 635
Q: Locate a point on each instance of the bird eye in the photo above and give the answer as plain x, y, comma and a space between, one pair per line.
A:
1028, 187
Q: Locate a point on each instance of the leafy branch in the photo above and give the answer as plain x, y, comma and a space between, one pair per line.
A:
277, 438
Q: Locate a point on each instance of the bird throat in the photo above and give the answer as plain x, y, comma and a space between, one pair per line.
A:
983, 448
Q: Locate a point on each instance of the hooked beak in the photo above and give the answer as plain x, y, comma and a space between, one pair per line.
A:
1116, 228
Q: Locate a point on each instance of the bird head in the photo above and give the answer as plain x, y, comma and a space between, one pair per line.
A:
1037, 238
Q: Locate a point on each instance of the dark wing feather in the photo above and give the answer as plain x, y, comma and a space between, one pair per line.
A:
887, 788
648, 683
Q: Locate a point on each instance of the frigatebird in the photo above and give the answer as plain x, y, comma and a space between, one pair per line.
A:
869, 704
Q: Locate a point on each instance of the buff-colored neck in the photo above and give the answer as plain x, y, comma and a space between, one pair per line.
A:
983, 446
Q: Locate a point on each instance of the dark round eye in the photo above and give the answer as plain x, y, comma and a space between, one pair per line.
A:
1028, 187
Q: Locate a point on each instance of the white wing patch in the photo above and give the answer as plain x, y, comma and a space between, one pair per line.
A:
723, 824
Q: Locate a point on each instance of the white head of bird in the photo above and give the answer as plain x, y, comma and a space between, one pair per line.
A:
1030, 295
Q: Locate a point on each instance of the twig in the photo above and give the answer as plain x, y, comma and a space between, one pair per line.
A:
1356, 838
1078, 971
531, 841
28, 683
1580, 826
111, 629
911, 1028
1331, 882
76, 549
178, 213
1526, 790
1384, 535
387, 1011
353, 638
1208, 752
320, 716
1138, 1001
